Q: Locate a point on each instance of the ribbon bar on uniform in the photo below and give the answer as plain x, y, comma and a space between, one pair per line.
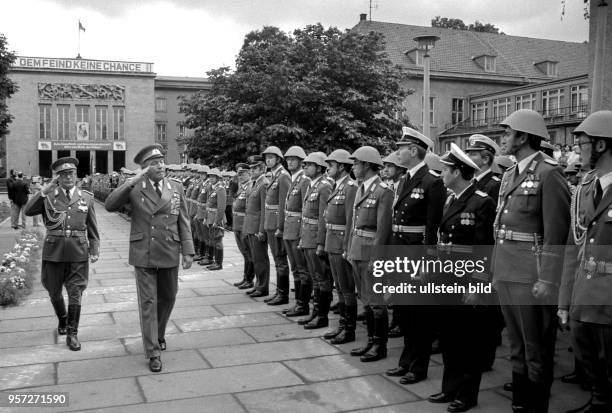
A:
510, 235
419, 229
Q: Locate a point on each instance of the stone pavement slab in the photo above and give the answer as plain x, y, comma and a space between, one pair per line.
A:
195, 340
210, 404
231, 321
27, 376
50, 323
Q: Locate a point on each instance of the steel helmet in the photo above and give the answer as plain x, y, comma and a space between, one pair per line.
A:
527, 120
433, 161
394, 159
367, 154
274, 150
204, 169
340, 156
597, 124
215, 172
318, 158
295, 151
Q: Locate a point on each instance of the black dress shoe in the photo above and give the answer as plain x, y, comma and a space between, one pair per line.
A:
279, 300
395, 332
458, 406
411, 378
297, 311
205, 261
214, 267
239, 283
155, 364
258, 294
440, 398
377, 352
508, 386
73, 342
252, 291
245, 285
397, 371
267, 300
162, 343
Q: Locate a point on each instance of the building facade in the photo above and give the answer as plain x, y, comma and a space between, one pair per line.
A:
99, 111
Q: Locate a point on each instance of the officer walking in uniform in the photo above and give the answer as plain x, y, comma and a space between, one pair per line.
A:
338, 216
417, 210
159, 233
585, 298
239, 213
531, 225
467, 223
72, 238
205, 191
291, 234
312, 241
215, 212
274, 222
370, 227
254, 226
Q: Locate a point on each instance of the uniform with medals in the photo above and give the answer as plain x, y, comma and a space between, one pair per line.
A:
215, 212
239, 213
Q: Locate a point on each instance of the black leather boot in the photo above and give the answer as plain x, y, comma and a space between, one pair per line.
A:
350, 320
196, 247
218, 265
315, 306
321, 320
381, 331
60, 311
74, 314
520, 393
540, 396
341, 323
206, 256
369, 318
301, 304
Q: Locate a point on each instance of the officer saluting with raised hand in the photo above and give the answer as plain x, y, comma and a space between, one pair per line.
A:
585, 298
160, 232
531, 226
72, 237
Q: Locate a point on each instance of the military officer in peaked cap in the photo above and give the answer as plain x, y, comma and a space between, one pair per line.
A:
215, 211
467, 223
160, 232
417, 210
72, 238
585, 299
531, 226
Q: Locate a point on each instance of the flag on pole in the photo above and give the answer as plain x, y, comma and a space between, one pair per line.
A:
81, 27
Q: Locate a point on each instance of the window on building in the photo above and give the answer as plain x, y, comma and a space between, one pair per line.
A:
501, 109
457, 110
160, 104
526, 101
479, 113
82, 113
45, 121
118, 123
489, 63
432, 101
182, 129
161, 132
63, 122
552, 102
102, 122
552, 69
579, 96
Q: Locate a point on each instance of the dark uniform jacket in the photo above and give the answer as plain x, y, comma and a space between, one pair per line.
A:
419, 202
255, 207
313, 213
239, 206
293, 206
536, 202
339, 213
202, 199
276, 196
160, 228
62, 218
489, 184
586, 287
215, 205
371, 224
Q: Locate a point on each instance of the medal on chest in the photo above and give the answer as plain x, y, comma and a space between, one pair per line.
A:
417, 193
468, 218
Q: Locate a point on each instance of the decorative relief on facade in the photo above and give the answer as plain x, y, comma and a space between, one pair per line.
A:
72, 91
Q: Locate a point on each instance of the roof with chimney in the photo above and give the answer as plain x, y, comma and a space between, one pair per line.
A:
462, 51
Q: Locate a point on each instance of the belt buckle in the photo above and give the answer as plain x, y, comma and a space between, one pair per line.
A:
501, 234
395, 228
590, 267
68, 233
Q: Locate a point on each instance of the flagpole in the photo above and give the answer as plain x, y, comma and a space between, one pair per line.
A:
79, 46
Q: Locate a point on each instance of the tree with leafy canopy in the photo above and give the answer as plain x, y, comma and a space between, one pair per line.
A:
319, 88
458, 24
7, 88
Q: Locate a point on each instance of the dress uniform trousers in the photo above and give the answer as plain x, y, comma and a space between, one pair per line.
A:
279, 254
73, 275
261, 263
317, 275
156, 288
243, 246
342, 273
297, 260
364, 282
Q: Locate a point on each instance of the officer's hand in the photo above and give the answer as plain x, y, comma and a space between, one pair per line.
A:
140, 174
542, 290
471, 298
261, 237
187, 261
50, 187
563, 317
320, 251
278, 233
93, 258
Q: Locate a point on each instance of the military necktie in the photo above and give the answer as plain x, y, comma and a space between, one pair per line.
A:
158, 189
598, 193
68, 194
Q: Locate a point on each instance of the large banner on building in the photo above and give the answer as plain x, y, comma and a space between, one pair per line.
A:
84, 65
82, 131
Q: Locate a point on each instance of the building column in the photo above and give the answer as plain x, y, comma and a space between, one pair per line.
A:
111, 167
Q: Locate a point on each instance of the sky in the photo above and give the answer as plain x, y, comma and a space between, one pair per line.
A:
190, 37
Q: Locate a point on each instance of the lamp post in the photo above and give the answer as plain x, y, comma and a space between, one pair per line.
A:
425, 43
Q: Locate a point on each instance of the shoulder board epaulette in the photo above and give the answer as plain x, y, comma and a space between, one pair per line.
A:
496, 178
351, 183
87, 192
176, 180
383, 185
285, 172
434, 173
480, 193
551, 161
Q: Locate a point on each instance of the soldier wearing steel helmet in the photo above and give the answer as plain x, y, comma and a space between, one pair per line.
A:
274, 223
215, 212
417, 210
338, 216
586, 289
532, 223
370, 227
291, 234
